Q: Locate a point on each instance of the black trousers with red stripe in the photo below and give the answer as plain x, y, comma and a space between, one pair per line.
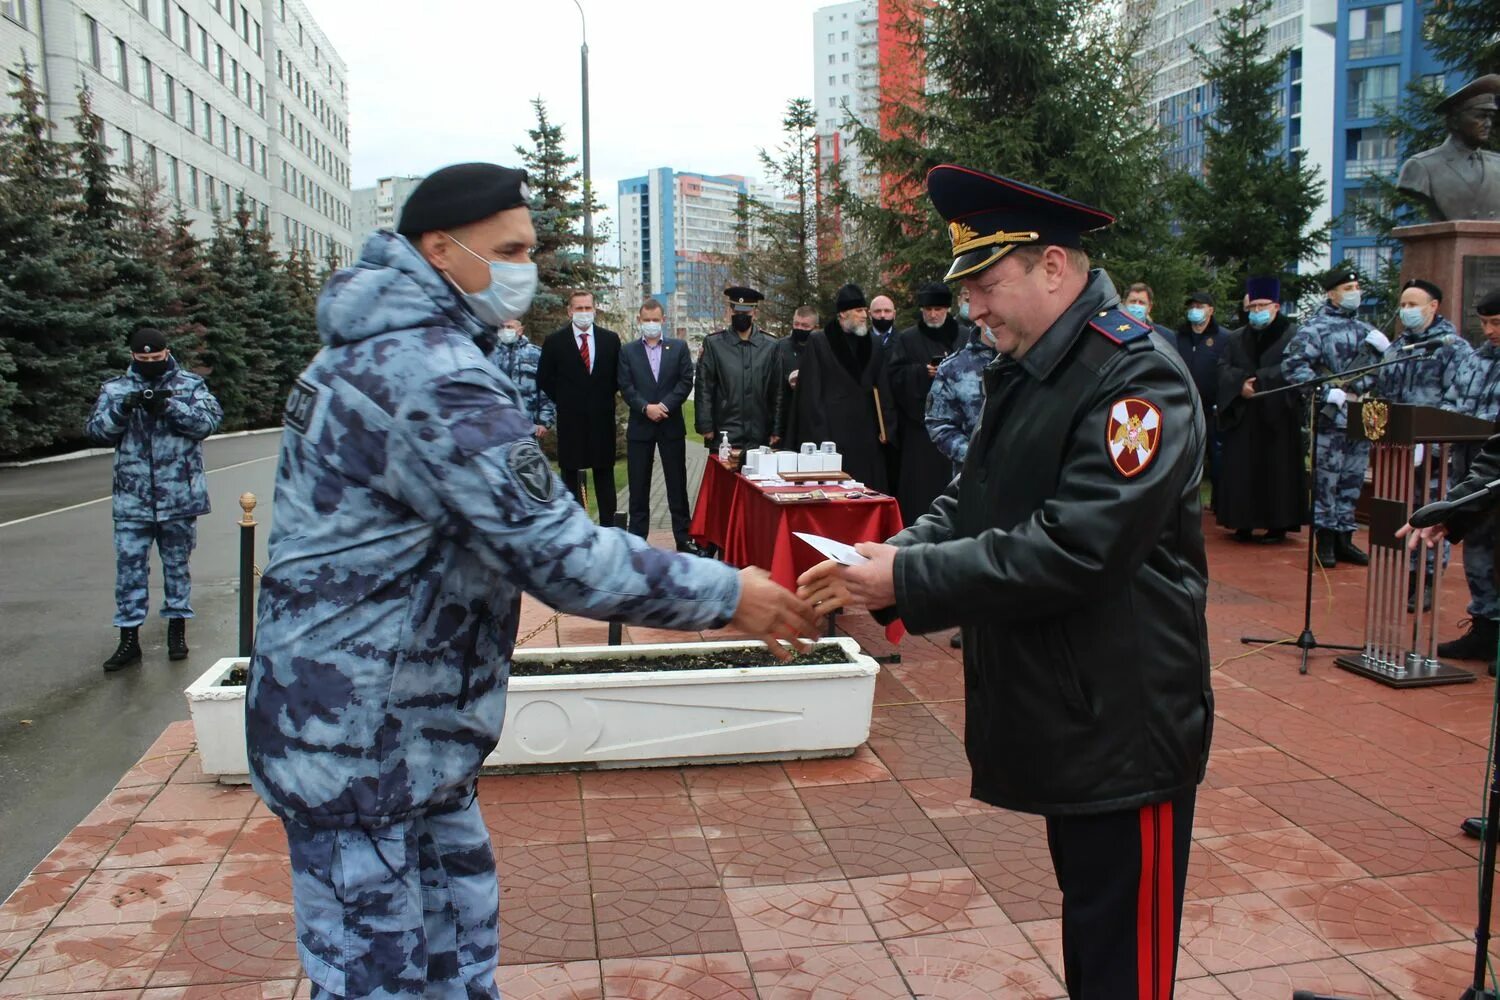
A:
1122, 877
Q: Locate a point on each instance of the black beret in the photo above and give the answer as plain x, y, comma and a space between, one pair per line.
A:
740, 295
1489, 305
463, 193
1334, 277
849, 297
934, 294
989, 216
1425, 286
147, 340
1206, 298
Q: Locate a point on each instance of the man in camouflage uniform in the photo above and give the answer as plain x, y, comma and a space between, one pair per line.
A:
413, 506
956, 399
155, 416
1334, 339
1476, 393
517, 358
1434, 352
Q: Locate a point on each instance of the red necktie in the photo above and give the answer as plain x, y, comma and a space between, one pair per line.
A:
583, 349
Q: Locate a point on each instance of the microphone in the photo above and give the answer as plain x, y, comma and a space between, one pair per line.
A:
1440, 511
1421, 347
1309, 995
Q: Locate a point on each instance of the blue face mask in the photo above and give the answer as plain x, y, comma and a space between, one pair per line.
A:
1137, 309
1260, 318
1196, 316
508, 295
963, 310
1412, 317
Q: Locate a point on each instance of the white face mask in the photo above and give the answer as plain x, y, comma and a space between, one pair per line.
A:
584, 320
651, 331
508, 294
508, 336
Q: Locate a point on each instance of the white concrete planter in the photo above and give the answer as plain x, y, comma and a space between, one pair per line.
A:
686, 716
219, 722
625, 720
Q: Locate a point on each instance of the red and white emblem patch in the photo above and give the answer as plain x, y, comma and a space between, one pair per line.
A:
1133, 435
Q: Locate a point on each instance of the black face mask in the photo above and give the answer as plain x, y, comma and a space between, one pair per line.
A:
882, 325
740, 322
800, 336
151, 370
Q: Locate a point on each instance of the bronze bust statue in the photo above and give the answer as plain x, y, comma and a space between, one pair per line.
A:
1460, 179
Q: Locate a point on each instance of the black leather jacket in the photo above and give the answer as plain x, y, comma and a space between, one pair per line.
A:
1080, 585
1483, 469
737, 387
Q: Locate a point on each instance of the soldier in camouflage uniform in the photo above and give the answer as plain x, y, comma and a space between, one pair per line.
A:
1334, 339
517, 358
956, 399
413, 506
155, 416
1476, 393
1422, 380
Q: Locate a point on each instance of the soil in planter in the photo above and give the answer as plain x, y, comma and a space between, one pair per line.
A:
237, 677
718, 659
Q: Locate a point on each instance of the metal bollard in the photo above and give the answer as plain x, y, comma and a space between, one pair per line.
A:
616, 630
247, 573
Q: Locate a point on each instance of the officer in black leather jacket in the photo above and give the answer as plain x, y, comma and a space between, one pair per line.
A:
1070, 550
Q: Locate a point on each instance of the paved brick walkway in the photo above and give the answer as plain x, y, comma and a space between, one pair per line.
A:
661, 517
1327, 856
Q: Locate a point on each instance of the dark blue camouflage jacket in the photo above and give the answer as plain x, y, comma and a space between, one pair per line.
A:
518, 362
956, 399
1476, 390
1423, 379
1331, 340
158, 457
413, 506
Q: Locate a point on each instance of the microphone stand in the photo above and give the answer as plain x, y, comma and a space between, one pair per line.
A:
1306, 641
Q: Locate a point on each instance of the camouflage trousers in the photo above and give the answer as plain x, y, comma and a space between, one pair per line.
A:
1338, 478
410, 910
175, 541
1479, 570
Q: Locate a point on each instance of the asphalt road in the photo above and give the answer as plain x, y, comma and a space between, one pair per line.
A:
68, 731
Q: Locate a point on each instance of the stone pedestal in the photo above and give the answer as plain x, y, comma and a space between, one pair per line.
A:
1462, 258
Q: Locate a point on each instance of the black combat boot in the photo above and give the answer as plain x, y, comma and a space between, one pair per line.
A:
1345, 550
1411, 593
177, 647
956, 640
1326, 556
128, 652
1476, 644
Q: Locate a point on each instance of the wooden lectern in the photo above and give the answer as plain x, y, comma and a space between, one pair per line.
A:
1409, 452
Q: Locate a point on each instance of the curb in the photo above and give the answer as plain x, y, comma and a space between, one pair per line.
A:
96, 452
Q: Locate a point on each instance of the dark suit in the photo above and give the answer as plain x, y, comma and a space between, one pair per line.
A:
643, 436
585, 401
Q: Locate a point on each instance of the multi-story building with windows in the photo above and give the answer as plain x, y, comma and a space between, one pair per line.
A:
846, 81
1183, 102
1379, 51
677, 233
215, 99
379, 207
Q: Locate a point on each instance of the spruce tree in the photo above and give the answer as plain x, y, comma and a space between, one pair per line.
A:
299, 292
224, 358
1042, 91
557, 213
186, 314
269, 331
1465, 34
55, 325
1252, 211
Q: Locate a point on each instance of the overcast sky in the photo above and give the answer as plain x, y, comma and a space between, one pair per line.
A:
694, 85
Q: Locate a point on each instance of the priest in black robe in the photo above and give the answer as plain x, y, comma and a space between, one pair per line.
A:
914, 356
842, 392
1262, 480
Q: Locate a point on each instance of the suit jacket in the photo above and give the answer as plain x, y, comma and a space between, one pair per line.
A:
585, 400
1457, 182
638, 387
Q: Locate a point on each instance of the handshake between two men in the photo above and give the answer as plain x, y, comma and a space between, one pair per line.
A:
775, 615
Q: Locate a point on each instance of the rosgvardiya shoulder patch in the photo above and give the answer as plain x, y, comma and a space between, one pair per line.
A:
1133, 435
529, 466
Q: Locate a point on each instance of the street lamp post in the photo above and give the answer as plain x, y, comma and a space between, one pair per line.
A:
588, 188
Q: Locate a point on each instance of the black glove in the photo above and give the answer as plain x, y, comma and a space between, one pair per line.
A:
155, 400
130, 402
